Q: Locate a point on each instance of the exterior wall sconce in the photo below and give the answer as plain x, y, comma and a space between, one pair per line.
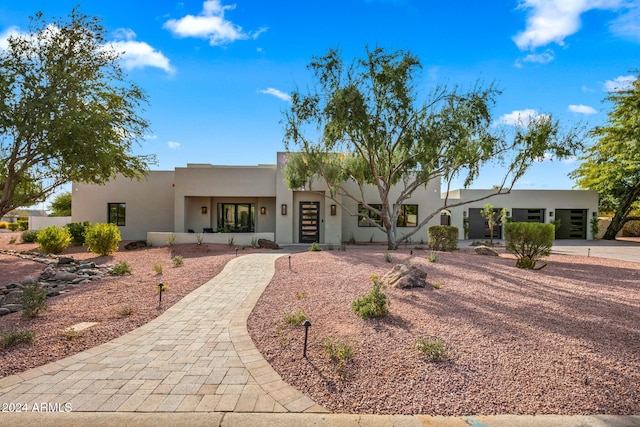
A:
203, 210
594, 214
263, 210
334, 210
464, 214
283, 209
550, 213
508, 213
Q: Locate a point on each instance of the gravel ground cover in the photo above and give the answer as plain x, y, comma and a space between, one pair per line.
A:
562, 340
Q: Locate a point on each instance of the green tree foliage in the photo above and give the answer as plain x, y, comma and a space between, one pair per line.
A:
493, 218
612, 165
366, 123
528, 241
67, 111
102, 239
53, 240
61, 205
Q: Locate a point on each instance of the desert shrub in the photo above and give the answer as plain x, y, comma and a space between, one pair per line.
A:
443, 237
53, 240
178, 261
126, 310
33, 300
4, 225
314, 247
29, 236
157, 267
120, 269
528, 241
372, 304
432, 348
294, 318
102, 239
339, 352
14, 226
433, 257
16, 337
12, 240
23, 224
76, 230
171, 239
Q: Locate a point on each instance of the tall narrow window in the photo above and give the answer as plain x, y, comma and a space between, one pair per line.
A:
117, 213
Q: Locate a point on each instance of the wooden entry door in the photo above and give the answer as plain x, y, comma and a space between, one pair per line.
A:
309, 224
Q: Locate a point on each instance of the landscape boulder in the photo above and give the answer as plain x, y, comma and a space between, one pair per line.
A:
136, 244
486, 250
405, 276
268, 244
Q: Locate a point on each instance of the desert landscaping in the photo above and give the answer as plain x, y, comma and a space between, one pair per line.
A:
561, 340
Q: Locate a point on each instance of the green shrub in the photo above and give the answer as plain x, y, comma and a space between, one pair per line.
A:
23, 224
53, 240
443, 237
372, 304
529, 241
29, 236
595, 227
294, 318
178, 261
102, 239
199, 238
33, 300
120, 269
16, 337
339, 352
77, 229
315, 247
432, 348
13, 226
171, 239
157, 267
433, 257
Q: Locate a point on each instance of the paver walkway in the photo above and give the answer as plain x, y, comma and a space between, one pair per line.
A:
195, 357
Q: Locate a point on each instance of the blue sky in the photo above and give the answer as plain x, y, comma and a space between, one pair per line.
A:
218, 72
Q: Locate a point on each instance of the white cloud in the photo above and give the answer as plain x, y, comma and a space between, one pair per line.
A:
627, 25
210, 24
137, 54
173, 145
582, 109
619, 84
519, 117
540, 58
551, 21
277, 93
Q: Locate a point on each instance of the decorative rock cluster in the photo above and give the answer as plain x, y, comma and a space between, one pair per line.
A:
405, 276
61, 274
268, 244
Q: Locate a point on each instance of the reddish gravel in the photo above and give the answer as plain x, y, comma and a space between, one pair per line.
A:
101, 301
562, 340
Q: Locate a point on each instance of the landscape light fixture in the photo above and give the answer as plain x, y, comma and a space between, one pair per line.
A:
306, 325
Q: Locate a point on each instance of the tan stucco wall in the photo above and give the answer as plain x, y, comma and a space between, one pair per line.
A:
149, 203
550, 200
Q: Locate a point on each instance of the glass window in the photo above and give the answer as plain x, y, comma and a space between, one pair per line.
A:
117, 213
408, 216
236, 217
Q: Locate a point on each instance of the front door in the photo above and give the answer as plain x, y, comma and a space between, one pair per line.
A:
309, 228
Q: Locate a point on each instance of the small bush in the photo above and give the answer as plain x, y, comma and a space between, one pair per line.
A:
53, 240
373, 304
433, 257
171, 239
436, 285
199, 238
254, 242
23, 224
16, 337
14, 226
301, 295
102, 239
294, 318
121, 269
157, 267
4, 225
315, 247
71, 334
178, 261
432, 348
76, 230
595, 227
340, 353
126, 310
529, 241
12, 240
29, 236
443, 237
33, 300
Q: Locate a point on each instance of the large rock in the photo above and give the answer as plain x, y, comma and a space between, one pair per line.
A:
486, 250
405, 276
268, 244
137, 244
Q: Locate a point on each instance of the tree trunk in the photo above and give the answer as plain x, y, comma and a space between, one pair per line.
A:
618, 219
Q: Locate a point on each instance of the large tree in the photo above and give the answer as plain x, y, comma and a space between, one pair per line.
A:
611, 166
67, 111
363, 122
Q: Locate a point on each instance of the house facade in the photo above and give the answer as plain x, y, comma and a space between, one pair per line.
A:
240, 204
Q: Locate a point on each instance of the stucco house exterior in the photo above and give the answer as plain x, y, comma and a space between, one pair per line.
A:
245, 203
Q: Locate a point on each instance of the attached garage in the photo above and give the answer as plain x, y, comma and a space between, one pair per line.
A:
573, 223
479, 228
528, 215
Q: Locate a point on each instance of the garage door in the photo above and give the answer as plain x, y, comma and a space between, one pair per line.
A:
478, 227
528, 215
573, 223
